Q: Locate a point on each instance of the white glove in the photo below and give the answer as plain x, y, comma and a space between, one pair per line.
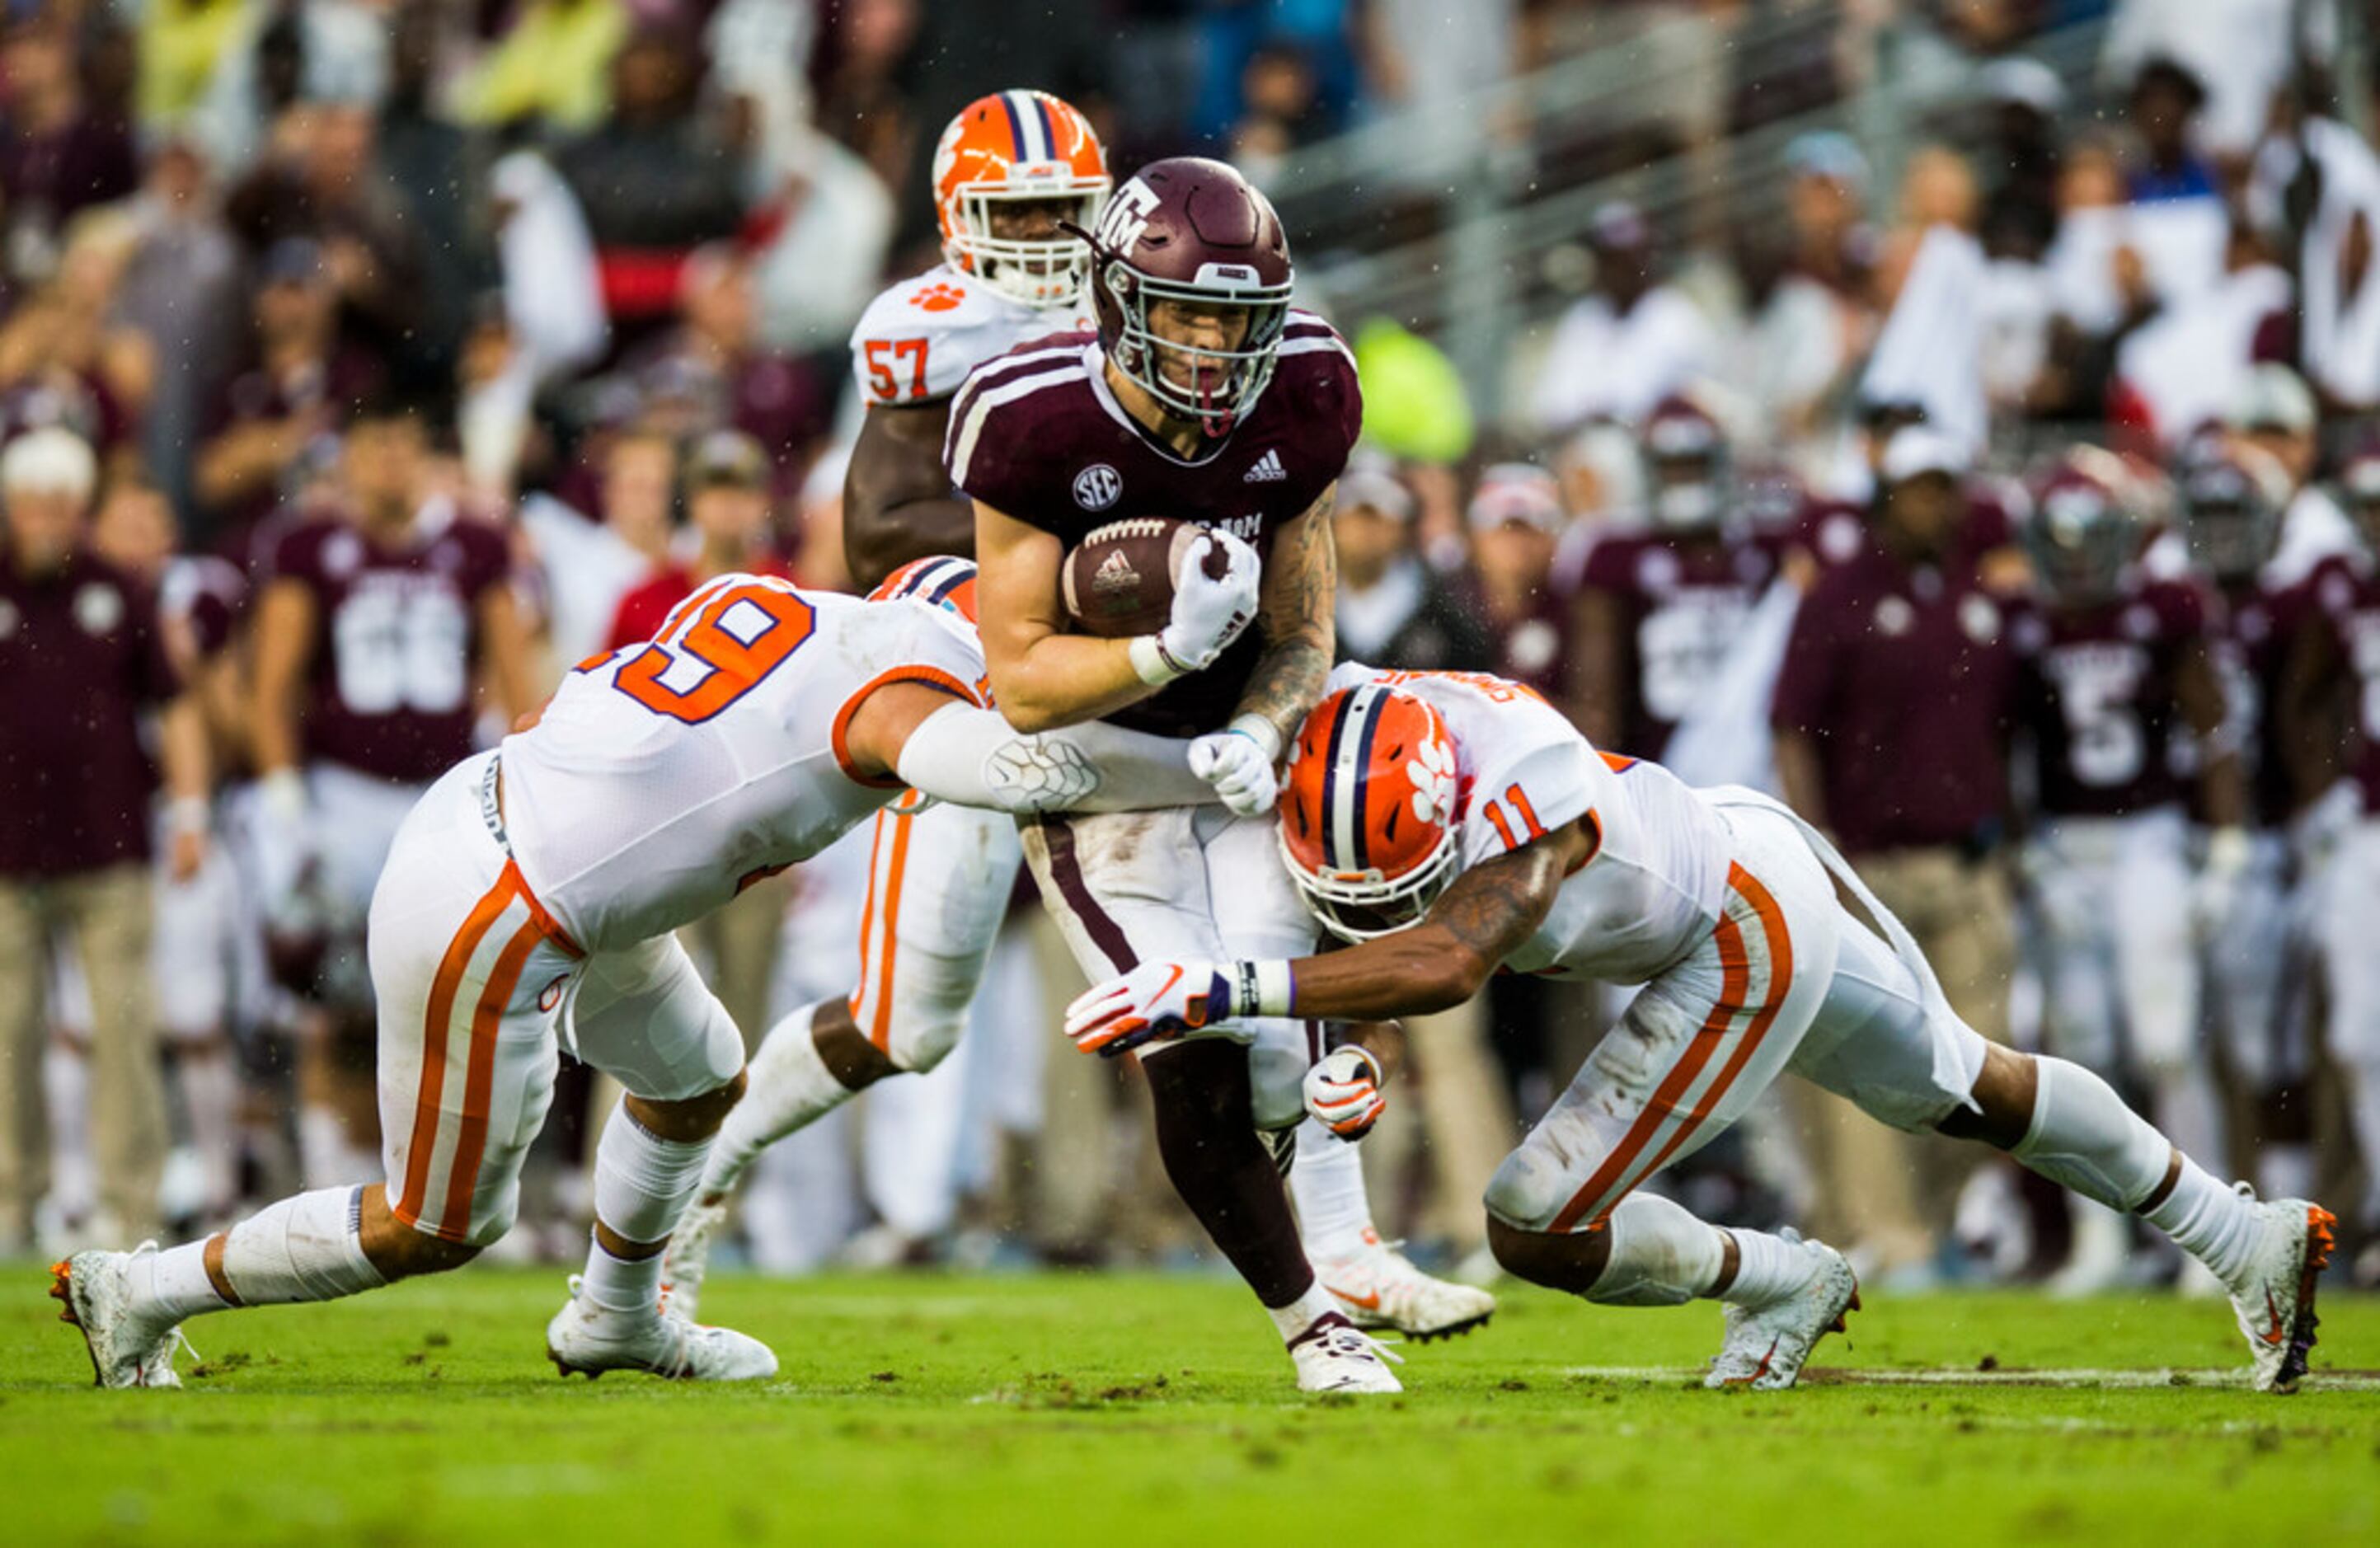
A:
1033, 774
1239, 761
1343, 1092
1153, 1001
2216, 891
1208, 615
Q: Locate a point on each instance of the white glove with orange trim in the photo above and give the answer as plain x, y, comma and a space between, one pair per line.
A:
1165, 999
1343, 1092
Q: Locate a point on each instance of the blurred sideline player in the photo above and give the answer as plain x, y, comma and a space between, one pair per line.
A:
2232, 503
373, 619
1010, 168
2333, 707
2114, 668
1661, 608
1172, 408
530, 898
1450, 825
208, 966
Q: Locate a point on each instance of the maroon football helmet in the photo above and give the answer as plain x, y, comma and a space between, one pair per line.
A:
1685, 465
2087, 526
1190, 229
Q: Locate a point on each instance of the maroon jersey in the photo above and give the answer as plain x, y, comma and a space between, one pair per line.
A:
1903, 680
396, 633
1036, 435
82, 657
2249, 632
2346, 594
1683, 604
2097, 690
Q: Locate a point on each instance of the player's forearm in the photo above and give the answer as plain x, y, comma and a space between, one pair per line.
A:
1288, 682
1299, 618
974, 758
182, 749
1412, 973
1065, 680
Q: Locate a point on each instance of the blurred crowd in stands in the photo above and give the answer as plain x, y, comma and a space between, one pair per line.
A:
554, 296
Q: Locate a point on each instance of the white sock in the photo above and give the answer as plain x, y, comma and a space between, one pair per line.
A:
66, 1088
643, 1183
1662, 1254
171, 1285
1301, 1313
2082, 1137
1767, 1269
306, 1248
210, 1098
1334, 1217
631, 1287
2207, 1220
787, 1087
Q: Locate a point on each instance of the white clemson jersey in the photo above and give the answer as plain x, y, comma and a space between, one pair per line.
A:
667, 776
918, 341
1654, 885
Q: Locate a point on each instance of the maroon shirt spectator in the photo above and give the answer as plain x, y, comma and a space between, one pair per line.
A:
83, 656
57, 158
2345, 601
388, 687
2253, 627
2098, 688
303, 384
1899, 679
710, 373
1037, 436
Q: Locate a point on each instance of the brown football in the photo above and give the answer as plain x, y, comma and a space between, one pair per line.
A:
1119, 580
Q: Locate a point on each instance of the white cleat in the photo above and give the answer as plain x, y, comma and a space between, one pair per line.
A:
585, 1338
125, 1350
2273, 1298
1766, 1344
687, 1256
1334, 1355
1379, 1288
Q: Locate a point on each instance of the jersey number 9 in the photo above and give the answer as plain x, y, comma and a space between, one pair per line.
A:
706, 658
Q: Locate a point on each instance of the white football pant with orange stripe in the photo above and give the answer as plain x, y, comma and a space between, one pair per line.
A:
1788, 979
476, 984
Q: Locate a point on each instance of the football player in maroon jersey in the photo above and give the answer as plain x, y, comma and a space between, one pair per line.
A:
1202, 395
374, 623
1660, 607
2113, 664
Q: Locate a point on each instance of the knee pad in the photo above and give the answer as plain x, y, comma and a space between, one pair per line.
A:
1527, 1191
928, 1009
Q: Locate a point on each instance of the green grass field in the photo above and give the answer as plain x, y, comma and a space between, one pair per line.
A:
1135, 1410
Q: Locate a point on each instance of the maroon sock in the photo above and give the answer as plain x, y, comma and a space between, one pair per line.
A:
1207, 1134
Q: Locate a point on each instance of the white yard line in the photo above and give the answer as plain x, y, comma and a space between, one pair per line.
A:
2319, 1381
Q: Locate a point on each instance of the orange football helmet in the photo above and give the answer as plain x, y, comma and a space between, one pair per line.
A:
1368, 812
1013, 146
943, 580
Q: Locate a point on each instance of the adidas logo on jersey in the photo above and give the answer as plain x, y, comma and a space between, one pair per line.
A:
1268, 469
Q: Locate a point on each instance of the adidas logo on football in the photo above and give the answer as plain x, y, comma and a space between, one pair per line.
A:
1268, 469
1115, 573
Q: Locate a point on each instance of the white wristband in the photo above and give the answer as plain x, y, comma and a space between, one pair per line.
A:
186, 814
1261, 731
1155, 667
282, 795
1266, 988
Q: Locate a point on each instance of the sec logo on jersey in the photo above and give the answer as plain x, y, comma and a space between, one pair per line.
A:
1098, 487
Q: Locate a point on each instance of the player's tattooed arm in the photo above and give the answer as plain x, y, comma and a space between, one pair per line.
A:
1489, 912
1298, 614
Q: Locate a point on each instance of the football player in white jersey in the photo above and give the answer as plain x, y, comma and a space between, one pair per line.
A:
528, 902
1452, 824
1009, 169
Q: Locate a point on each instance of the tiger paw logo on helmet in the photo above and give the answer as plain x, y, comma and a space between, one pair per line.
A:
938, 298
1431, 770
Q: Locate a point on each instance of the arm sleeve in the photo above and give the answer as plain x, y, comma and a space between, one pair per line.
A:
973, 757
